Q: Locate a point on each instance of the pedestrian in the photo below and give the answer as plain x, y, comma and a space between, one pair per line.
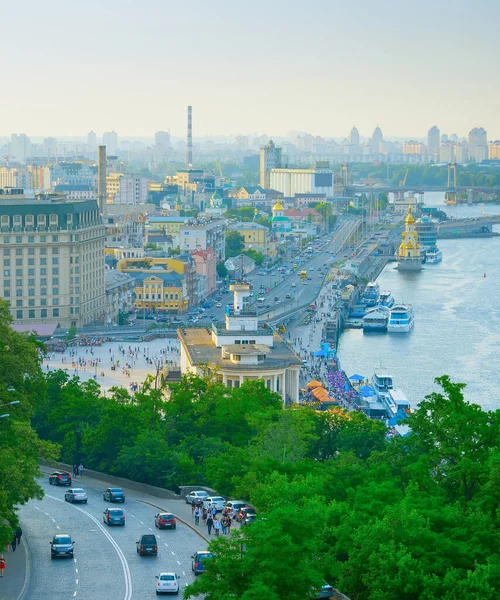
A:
80, 470
2, 565
75, 470
223, 522
210, 523
214, 511
19, 533
229, 523
216, 526
193, 507
197, 512
204, 517
14, 543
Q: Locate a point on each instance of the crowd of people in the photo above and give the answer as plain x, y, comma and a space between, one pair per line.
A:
207, 516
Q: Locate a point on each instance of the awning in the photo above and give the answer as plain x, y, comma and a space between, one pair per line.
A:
356, 377
314, 384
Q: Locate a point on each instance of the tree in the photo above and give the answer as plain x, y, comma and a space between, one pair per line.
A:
222, 271
235, 243
255, 255
71, 333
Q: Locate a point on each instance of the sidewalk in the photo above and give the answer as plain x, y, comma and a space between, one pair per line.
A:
13, 585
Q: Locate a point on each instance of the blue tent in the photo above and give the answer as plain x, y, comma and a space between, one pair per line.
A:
356, 377
366, 390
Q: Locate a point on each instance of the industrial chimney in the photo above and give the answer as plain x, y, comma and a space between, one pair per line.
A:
101, 180
189, 152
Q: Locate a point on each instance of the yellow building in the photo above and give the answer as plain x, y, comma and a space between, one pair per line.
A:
408, 255
162, 285
256, 235
494, 150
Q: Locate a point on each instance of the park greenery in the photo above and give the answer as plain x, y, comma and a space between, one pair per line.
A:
414, 518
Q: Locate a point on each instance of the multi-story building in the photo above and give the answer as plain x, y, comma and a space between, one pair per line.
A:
303, 181
256, 236
433, 142
119, 295
241, 349
170, 226
201, 234
206, 268
91, 141
50, 147
52, 259
75, 172
376, 143
478, 144
494, 150
110, 140
414, 147
124, 188
453, 152
162, 143
19, 147
162, 284
270, 158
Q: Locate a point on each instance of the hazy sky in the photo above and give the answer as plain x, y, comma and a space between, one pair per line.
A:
255, 66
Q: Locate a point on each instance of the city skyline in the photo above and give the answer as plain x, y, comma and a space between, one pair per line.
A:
403, 68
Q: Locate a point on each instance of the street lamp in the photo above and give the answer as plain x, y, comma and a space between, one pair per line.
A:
4, 416
13, 403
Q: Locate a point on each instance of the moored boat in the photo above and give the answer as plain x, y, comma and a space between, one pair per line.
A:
433, 256
376, 319
401, 318
371, 293
386, 299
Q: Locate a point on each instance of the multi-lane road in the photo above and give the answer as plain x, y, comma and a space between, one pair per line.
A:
105, 562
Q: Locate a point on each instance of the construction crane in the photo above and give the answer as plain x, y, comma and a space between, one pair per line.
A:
6, 156
450, 196
402, 183
219, 169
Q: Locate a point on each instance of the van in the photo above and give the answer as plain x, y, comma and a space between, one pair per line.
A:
261, 300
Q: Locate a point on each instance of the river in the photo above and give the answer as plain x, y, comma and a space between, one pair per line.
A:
457, 320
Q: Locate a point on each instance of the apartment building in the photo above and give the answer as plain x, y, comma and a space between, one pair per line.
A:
51, 259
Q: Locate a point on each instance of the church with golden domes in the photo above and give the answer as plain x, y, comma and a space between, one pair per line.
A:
408, 254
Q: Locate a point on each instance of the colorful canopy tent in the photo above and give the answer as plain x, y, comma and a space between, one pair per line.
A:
320, 393
314, 384
356, 377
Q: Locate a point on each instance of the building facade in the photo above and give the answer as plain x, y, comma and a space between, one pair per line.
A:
206, 268
52, 254
478, 144
202, 234
433, 142
270, 158
289, 182
124, 188
494, 150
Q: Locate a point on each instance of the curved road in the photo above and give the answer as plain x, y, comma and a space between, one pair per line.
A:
105, 562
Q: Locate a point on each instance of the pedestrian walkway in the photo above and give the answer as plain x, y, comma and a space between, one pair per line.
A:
12, 584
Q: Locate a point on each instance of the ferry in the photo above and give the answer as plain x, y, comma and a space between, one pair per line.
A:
433, 256
401, 318
370, 296
395, 401
376, 319
386, 299
382, 382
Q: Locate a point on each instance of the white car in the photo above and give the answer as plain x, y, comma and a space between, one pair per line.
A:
196, 495
168, 583
219, 502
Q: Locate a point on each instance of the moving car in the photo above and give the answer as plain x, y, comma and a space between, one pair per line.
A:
76, 495
60, 478
114, 495
147, 545
114, 516
61, 545
199, 559
168, 583
198, 495
165, 521
219, 502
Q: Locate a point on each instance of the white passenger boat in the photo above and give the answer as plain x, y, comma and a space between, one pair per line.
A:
401, 318
433, 256
386, 299
376, 319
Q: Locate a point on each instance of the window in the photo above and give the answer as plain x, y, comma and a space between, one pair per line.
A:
31, 292
31, 314
55, 238
19, 239
43, 238
6, 262
17, 220
43, 302
43, 281
19, 303
6, 283
43, 250
31, 282
55, 312
55, 291
43, 291
43, 312
41, 221
55, 260
6, 272
31, 302
43, 271
55, 250
31, 251
19, 283
31, 272
19, 251
19, 272
6, 240
6, 293
43, 261
31, 239
6, 251
19, 314
55, 271
31, 261
55, 301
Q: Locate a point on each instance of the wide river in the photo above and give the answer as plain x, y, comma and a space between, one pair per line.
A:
457, 320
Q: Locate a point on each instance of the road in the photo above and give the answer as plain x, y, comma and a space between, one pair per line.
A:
105, 559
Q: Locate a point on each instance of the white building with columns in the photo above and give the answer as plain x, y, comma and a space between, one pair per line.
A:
241, 349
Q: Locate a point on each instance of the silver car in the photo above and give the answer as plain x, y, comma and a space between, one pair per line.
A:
197, 495
76, 495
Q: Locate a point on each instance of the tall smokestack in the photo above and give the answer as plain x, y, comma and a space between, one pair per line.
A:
101, 179
189, 153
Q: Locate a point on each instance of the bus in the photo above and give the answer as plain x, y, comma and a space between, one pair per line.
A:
303, 274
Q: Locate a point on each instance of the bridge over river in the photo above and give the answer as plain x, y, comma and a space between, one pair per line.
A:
480, 226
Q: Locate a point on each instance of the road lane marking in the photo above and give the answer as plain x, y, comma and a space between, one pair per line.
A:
166, 544
76, 570
121, 556
48, 513
141, 522
150, 529
58, 527
74, 593
77, 582
184, 573
37, 508
53, 520
178, 562
173, 553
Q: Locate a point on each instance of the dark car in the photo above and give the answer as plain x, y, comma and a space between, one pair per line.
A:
147, 545
325, 592
165, 521
114, 516
198, 564
60, 478
114, 495
61, 545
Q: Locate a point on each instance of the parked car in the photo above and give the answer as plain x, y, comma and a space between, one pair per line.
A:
60, 478
325, 592
76, 495
114, 516
148, 544
168, 583
197, 495
250, 518
199, 560
219, 502
235, 506
114, 495
244, 512
165, 521
61, 545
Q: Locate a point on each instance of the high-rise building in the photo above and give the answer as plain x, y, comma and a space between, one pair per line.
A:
52, 259
162, 143
50, 147
478, 144
494, 150
110, 140
19, 147
414, 147
377, 141
91, 141
433, 142
354, 137
270, 158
